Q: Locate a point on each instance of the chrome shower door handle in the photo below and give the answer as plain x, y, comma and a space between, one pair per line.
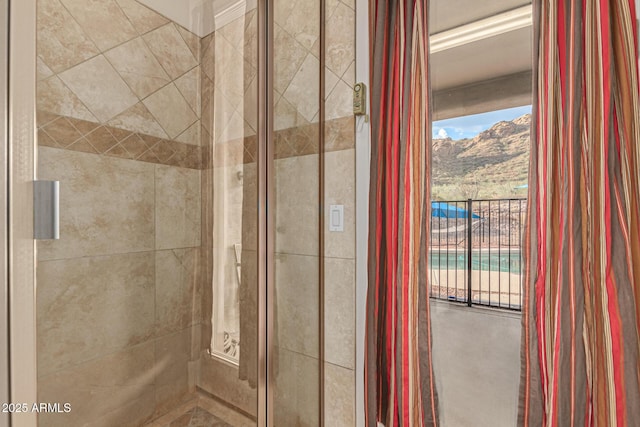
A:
46, 205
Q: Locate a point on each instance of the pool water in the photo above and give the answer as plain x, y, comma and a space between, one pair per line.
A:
484, 261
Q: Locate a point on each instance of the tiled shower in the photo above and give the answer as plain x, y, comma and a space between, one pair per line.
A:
148, 302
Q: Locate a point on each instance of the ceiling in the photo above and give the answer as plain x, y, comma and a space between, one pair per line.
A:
498, 56
501, 55
448, 14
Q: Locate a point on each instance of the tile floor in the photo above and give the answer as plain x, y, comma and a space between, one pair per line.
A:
198, 417
202, 411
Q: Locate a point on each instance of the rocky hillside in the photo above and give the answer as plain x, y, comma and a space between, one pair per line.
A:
491, 165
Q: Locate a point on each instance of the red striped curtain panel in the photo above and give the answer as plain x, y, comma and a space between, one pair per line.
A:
580, 364
400, 389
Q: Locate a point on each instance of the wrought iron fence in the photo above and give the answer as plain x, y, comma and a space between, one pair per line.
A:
475, 252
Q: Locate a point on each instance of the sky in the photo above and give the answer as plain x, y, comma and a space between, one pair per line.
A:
470, 126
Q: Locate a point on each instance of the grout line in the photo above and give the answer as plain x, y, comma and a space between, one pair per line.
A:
185, 40
115, 254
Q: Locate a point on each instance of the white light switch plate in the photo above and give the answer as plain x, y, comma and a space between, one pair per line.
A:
336, 218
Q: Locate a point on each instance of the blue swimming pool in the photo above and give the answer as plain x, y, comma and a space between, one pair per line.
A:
504, 261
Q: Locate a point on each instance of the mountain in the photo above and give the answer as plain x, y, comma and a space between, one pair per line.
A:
490, 165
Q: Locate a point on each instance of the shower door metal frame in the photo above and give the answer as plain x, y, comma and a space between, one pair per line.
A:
266, 221
4, 292
18, 176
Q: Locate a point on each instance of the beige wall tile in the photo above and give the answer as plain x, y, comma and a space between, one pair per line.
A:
250, 197
102, 20
172, 379
171, 110
296, 205
340, 396
251, 39
42, 70
296, 401
192, 135
142, 18
286, 116
88, 307
234, 31
55, 97
222, 113
138, 119
250, 107
297, 291
192, 40
303, 91
303, 21
232, 71
62, 43
234, 129
340, 51
208, 48
349, 76
340, 102
100, 88
340, 190
177, 305
189, 87
330, 82
331, 7
171, 50
340, 312
138, 67
177, 207
288, 57
350, 3
207, 104
111, 390
106, 204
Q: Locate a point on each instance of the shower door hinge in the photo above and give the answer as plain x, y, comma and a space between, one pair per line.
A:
46, 210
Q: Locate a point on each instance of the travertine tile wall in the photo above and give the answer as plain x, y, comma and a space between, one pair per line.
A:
117, 63
118, 302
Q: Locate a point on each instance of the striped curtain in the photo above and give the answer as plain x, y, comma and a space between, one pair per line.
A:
400, 389
580, 364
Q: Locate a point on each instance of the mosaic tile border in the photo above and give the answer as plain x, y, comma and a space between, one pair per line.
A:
80, 135
292, 142
89, 137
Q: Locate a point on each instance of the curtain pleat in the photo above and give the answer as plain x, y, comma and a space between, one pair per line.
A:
400, 388
580, 364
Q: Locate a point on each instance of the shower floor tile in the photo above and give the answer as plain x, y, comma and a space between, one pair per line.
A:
202, 411
198, 417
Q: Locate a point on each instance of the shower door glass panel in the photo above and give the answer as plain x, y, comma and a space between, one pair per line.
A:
230, 200
141, 114
295, 199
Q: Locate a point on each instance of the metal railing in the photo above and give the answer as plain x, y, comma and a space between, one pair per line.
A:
475, 252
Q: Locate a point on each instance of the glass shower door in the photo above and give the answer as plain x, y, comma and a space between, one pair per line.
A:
146, 115
296, 200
